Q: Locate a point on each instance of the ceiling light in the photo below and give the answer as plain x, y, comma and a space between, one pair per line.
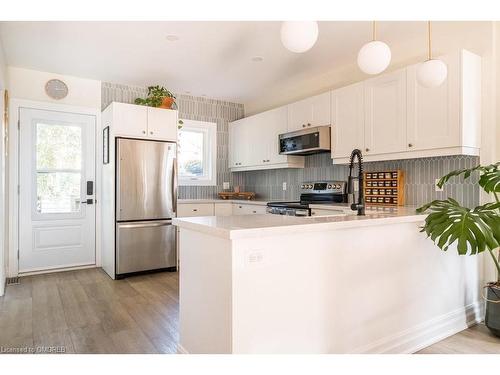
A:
375, 56
172, 38
432, 72
299, 36
257, 59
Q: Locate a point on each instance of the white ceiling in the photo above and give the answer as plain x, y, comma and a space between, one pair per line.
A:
210, 58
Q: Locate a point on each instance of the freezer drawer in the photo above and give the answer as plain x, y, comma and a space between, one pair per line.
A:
144, 246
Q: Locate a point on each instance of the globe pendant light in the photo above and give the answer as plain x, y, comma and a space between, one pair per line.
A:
299, 36
375, 56
433, 72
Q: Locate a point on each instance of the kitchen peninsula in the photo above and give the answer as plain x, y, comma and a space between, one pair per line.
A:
331, 284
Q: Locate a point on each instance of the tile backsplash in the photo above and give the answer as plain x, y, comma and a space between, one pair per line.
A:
420, 176
191, 108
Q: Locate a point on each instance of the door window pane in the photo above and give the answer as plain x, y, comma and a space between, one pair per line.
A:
58, 192
58, 146
191, 153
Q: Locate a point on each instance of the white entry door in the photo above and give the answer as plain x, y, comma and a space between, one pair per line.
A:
56, 192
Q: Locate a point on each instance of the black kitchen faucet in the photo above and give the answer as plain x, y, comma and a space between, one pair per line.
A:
360, 205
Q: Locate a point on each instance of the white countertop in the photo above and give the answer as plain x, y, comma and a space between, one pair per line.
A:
241, 226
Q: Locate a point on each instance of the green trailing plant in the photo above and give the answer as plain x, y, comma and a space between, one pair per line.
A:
473, 230
155, 96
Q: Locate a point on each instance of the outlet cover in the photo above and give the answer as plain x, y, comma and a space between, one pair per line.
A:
436, 185
225, 185
284, 186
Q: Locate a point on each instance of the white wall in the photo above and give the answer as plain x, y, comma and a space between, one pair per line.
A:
3, 198
30, 85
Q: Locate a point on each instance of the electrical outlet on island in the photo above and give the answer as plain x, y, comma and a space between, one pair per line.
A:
284, 186
225, 185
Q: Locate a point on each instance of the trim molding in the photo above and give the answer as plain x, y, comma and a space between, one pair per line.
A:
428, 333
59, 269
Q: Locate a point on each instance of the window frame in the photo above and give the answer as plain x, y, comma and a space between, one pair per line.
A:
209, 130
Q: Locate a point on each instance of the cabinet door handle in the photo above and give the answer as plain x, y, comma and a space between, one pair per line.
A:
308, 124
144, 132
151, 133
410, 144
303, 125
195, 209
367, 149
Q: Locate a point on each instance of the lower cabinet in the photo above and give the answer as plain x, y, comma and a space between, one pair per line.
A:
195, 209
248, 209
219, 209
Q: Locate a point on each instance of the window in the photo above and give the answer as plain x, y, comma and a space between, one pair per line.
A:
58, 168
197, 154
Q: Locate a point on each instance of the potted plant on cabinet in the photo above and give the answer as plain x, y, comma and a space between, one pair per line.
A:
473, 230
158, 96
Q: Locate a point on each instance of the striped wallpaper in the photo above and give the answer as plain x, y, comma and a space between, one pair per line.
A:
420, 174
191, 108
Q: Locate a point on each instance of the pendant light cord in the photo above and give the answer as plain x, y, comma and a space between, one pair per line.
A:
374, 30
429, 39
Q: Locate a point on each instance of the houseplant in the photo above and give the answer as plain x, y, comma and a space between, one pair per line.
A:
158, 96
474, 230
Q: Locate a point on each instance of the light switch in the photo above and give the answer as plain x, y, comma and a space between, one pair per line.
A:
225, 185
284, 186
436, 185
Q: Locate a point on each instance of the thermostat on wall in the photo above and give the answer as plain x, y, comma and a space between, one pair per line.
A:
56, 89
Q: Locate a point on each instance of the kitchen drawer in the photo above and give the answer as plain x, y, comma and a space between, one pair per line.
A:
223, 209
195, 209
248, 209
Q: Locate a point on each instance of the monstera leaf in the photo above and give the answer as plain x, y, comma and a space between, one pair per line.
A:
475, 230
489, 178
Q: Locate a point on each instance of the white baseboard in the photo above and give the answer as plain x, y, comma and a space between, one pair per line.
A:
53, 270
2, 286
181, 349
428, 333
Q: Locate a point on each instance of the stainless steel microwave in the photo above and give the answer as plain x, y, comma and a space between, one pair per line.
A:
305, 142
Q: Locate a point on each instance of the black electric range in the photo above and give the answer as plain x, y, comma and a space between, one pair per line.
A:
318, 192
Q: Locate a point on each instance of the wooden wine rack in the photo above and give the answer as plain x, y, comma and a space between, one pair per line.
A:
385, 188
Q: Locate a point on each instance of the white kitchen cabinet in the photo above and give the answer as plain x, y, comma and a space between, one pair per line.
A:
223, 209
385, 113
162, 124
254, 142
448, 115
195, 209
309, 112
348, 122
248, 209
136, 121
129, 120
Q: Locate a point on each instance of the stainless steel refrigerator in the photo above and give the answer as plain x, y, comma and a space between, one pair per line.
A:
146, 200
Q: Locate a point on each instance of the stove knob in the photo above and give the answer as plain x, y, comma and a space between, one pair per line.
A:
330, 186
302, 186
310, 186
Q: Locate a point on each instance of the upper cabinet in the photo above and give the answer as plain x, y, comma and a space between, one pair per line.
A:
253, 142
403, 120
136, 121
348, 120
385, 113
313, 111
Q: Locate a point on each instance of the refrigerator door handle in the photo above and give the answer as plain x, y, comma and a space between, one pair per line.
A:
174, 187
145, 224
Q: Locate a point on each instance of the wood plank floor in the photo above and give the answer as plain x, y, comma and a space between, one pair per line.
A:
86, 312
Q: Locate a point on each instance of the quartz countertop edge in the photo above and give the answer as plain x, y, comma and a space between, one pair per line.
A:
247, 226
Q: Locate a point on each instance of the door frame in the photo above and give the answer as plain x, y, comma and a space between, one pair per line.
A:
15, 106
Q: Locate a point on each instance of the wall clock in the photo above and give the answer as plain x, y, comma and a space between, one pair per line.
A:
56, 89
